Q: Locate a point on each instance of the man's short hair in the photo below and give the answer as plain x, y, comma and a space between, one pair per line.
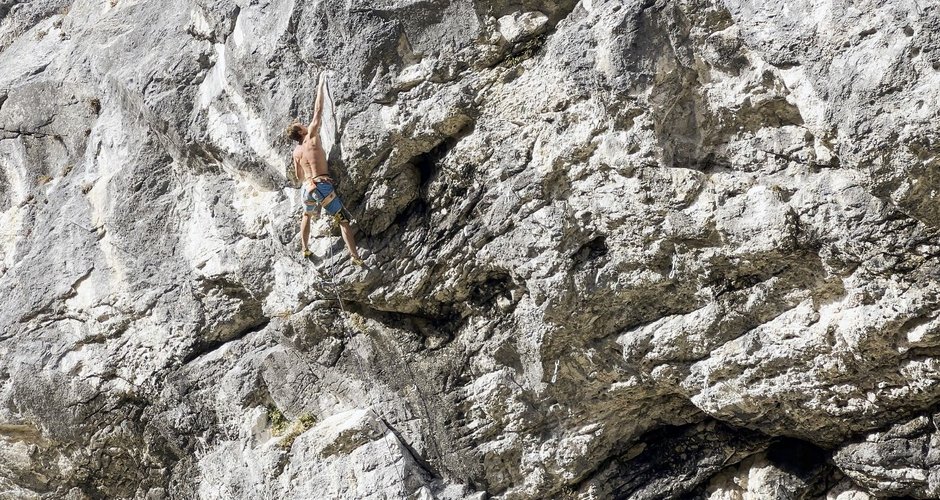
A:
295, 131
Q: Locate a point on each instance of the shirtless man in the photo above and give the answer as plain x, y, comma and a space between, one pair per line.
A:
311, 169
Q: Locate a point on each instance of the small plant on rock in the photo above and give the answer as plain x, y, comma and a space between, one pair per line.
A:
301, 425
284, 314
277, 420
304, 423
282, 427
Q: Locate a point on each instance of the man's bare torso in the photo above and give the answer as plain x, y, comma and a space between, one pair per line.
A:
311, 157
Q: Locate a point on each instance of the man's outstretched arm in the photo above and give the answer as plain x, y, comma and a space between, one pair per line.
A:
314, 127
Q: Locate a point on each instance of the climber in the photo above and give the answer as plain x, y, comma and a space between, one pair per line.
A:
317, 190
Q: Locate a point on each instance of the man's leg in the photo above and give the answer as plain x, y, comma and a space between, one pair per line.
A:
304, 232
349, 239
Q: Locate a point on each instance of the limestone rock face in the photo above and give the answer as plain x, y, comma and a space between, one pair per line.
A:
902, 460
616, 249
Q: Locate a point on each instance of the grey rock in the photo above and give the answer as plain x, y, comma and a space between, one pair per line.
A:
628, 249
901, 461
785, 470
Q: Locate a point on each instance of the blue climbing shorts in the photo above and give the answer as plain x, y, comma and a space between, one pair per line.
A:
324, 195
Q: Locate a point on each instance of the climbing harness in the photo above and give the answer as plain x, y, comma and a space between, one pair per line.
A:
326, 197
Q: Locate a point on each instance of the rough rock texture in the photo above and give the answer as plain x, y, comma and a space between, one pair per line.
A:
628, 249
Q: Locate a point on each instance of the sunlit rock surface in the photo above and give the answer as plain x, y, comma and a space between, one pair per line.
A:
653, 249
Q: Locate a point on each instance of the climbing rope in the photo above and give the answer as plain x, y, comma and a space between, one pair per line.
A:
388, 448
362, 372
332, 285
424, 402
381, 418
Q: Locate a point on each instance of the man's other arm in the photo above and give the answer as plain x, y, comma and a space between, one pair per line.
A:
298, 171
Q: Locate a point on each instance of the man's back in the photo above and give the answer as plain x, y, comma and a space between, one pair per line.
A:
311, 157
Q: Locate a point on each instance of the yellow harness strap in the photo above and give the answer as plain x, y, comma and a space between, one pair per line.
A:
329, 199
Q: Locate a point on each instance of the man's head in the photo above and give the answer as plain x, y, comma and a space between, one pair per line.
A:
296, 131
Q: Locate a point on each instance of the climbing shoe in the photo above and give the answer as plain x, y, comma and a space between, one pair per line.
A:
307, 253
